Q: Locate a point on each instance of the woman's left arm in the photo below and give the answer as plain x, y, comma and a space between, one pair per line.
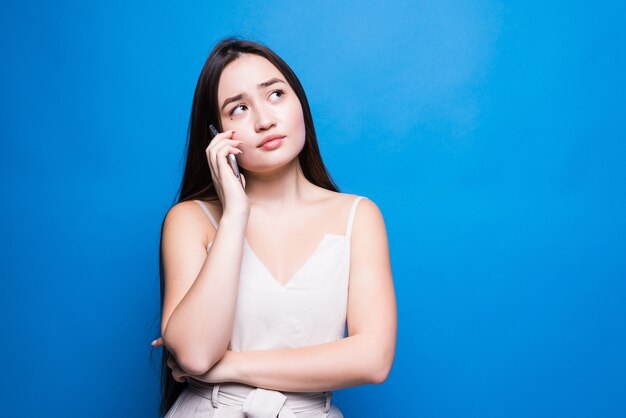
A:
365, 356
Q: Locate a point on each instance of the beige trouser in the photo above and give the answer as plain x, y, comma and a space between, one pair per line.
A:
232, 400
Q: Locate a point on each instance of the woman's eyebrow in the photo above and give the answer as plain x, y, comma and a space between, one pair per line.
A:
260, 85
270, 82
232, 99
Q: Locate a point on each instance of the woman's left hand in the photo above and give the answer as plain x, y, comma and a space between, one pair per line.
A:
177, 373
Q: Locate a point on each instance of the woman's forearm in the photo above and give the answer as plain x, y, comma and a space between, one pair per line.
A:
199, 329
351, 361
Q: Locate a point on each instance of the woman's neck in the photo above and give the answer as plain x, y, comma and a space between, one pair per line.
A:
280, 189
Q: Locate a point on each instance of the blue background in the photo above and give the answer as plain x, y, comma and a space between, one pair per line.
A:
491, 134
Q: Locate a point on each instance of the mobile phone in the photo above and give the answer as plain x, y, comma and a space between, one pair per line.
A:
232, 159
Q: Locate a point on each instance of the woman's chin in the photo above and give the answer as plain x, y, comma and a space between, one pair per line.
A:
269, 168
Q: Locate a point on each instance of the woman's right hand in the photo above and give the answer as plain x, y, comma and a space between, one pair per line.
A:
228, 188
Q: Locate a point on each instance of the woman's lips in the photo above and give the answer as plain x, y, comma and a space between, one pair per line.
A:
272, 144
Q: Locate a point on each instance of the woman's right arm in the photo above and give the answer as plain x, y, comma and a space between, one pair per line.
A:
201, 289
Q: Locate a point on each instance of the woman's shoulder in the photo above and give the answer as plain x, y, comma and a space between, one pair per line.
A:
332, 196
193, 208
191, 215
349, 199
365, 210
367, 218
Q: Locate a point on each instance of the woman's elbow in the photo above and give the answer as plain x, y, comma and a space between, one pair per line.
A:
380, 374
191, 359
380, 368
194, 362
195, 365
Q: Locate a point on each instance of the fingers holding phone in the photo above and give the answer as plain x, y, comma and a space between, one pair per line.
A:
226, 177
232, 160
223, 145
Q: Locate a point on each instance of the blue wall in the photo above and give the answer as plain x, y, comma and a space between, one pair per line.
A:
491, 134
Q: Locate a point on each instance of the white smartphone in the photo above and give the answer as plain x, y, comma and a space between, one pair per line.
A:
232, 159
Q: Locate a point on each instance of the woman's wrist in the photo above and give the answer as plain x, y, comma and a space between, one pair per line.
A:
236, 221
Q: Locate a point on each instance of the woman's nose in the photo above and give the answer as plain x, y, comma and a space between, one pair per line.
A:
264, 119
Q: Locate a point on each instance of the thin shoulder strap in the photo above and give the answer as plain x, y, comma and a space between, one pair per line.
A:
208, 212
351, 217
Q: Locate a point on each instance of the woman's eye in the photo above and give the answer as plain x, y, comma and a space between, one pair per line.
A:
237, 110
277, 93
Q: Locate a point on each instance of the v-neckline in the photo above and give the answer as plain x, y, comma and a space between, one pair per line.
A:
299, 269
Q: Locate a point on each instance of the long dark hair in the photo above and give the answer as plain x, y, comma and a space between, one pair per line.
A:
197, 182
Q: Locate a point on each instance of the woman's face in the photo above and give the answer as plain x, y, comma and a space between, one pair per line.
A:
256, 101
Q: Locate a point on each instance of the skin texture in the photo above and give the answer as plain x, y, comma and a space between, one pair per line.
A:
283, 216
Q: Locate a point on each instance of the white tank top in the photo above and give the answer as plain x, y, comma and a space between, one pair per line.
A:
309, 309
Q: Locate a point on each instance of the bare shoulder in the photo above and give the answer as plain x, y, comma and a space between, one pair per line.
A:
336, 199
368, 220
366, 209
186, 212
187, 219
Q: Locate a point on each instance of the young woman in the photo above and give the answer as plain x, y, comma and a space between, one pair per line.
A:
258, 282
